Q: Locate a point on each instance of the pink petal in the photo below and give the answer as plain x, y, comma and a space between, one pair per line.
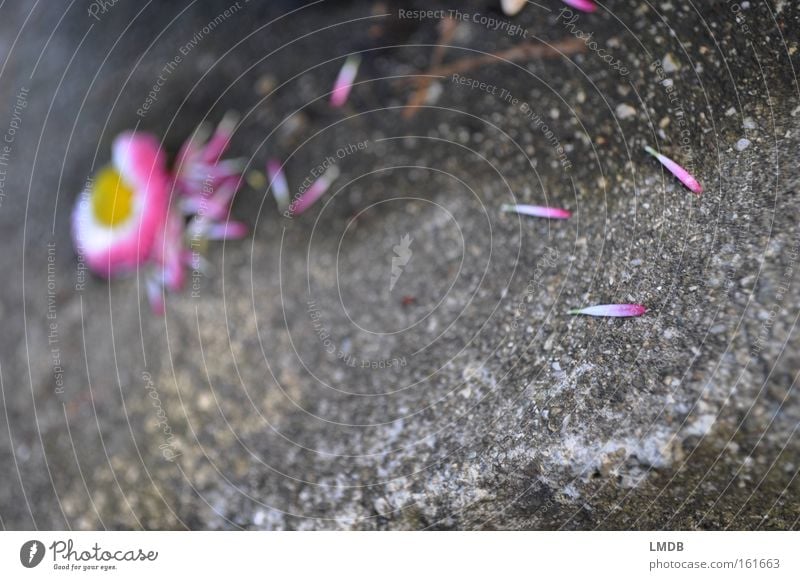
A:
155, 295
218, 143
537, 211
168, 252
344, 82
278, 184
584, 5
227, 231
191, 148
686, 178
618, 310
314, 192
137, 156
219, 203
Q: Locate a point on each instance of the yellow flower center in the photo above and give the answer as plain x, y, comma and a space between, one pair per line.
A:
112, 198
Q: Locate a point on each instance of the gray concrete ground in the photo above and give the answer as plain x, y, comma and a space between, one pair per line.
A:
482, 404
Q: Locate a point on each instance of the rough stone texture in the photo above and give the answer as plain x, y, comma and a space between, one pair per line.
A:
504, 416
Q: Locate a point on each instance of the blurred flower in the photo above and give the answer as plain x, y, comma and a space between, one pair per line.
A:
617, 310
125, 221
117, 218
685, 177
344, 82
198, 167
537, 211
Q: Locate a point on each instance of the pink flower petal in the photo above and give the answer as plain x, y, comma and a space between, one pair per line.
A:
191, 148
219, 204
168, 252
278, 184
155, 295
687, 179
617, 310
537, 211
314, 192
344, 82
584, 5
198, 168
227, 231
219, 142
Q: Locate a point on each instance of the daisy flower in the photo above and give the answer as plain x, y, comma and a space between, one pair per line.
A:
118, 216
124, 220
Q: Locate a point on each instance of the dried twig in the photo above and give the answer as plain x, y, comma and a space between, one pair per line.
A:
522, 52
446, 31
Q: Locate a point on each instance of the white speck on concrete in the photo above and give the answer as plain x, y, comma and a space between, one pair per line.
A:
625, 111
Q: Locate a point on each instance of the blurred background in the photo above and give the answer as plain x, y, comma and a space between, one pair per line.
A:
302, 382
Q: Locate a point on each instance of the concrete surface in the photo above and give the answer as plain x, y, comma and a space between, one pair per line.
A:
482, 405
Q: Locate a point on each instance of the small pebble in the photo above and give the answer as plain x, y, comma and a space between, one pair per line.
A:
669, 63
256, 179
742, 144
625, 111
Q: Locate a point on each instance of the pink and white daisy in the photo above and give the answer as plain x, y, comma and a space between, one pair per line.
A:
117, 219
124, 220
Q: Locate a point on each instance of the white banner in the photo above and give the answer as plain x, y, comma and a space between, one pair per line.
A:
401, 555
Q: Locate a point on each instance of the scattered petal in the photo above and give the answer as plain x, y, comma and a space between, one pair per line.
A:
278, 184
537, 211
676, 170
221, 138
116, 219
227, 231
314, 192
155, 295
617, 310
344, 82
512, 7
198, 168
584, 5
168, 252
